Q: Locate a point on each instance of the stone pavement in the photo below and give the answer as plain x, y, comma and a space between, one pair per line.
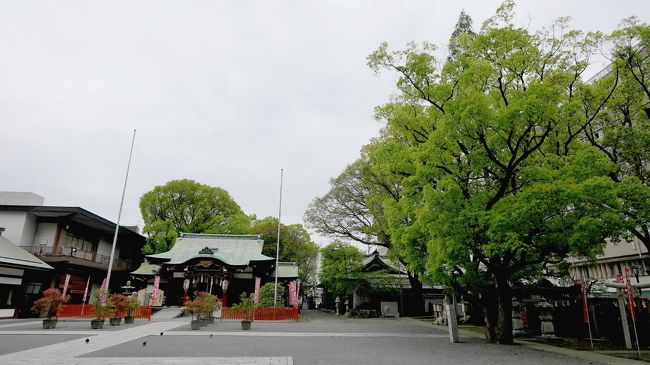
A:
324, 339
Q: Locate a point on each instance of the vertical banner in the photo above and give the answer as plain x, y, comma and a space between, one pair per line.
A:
83, 300
297, 291
585, 307
65, 285
102, 297
292, 293
258, 280
630, 293
154, 295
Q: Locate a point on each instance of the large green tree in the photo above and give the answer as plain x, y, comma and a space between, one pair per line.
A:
296, 245
487, 146
622, 132
354, 210
341, 268
190, 207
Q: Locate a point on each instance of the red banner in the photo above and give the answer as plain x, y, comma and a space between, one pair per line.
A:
293, 300
258, 280
630, 293
585, 307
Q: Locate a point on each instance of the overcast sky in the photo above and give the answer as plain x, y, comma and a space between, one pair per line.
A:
222, 92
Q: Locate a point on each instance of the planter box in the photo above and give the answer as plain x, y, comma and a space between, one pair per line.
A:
97, 324
204, 322
49, 324
196, 325
115, 321
245, 325
210, 320
129, 320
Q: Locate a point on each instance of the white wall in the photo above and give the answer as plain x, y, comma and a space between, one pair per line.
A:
45, 231
623, 248
29, 231
14, 224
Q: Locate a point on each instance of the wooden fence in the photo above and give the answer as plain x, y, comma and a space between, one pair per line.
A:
261, 314
88, 311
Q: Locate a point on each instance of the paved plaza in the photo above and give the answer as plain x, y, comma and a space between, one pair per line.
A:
320, 339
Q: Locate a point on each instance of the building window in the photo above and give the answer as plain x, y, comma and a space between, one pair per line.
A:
72, 240
6, 296
32, 288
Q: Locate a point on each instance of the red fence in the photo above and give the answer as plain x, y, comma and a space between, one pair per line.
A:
265, 314
88, 311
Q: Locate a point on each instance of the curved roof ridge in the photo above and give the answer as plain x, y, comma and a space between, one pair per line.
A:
220, 235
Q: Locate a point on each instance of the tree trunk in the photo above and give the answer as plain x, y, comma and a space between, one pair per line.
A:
504, 319
490, 315
416, 286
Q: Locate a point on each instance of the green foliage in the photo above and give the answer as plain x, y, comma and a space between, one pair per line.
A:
296, 245
246, 306
267, 291
341, 268
622, 132
99, 301
487, 150
187, 206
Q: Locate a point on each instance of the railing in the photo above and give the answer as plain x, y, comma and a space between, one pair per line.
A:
261, 314
51, 251
88, 311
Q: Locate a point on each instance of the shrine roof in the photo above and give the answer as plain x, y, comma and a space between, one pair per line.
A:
146, 269
234, 250
375, 261
286, 270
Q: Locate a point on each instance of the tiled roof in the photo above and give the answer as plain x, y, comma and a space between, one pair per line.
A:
146, 269
234, 250
286, 270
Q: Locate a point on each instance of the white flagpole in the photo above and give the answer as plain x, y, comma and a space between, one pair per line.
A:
119, 215
277, 247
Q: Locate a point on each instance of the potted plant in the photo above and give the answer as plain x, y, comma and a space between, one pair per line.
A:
131, 306
245, 308
211, 305
118, 304
101, 306
193, 307
48, 305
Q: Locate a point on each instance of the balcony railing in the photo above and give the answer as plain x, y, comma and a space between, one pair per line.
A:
49, 251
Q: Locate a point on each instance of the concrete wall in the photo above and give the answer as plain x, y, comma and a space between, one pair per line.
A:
624, 248
14, 224
45, 232
29, 231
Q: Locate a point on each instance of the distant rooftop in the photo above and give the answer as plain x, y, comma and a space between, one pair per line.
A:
20, 198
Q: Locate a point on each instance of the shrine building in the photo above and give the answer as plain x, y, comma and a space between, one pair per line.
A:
221, 264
